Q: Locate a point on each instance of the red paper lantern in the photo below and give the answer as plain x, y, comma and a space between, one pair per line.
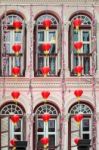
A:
46, 117
78, 118
16, 48
13, 142
46, 47
78, 93
77, 22
78, 45
17, 25
44, 140
47, 23
16, 71
45, 71
15, 118
76, 140
15, 94
45, 94
78, 70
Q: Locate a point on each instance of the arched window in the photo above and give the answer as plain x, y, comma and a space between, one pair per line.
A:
50, 129
51, 36
9, 38
84, 35
82, 131
8, 130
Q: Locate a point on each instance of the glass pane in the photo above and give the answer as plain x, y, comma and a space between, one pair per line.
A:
17, 137
39, 143
86, 65
7, 36
52, 36
17, 127
52, 65
41, 36
85, 136
7, 48
9, 19
85, 124
51, 140
40, 126
40, 62
75, 36
53, 49
86, 48
40, 51
51, 126
17, 36
17, 61
86, 36
75, 61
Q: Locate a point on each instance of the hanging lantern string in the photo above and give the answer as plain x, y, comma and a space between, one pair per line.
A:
94, 80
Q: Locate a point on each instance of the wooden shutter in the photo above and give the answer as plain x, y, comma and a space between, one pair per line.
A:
74, 133
4, 133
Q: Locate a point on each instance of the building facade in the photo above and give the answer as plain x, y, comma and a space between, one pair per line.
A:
69, 46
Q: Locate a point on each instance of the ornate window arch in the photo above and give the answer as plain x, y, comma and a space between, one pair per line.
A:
80, 108
84, 35
10, 109
84, 130
8, 130
11, 37
51, 36
46, 108
50, 129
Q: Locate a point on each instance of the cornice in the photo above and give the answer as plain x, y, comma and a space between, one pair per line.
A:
48, 82
44, 2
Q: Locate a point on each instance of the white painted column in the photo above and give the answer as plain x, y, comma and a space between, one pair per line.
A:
97, 140
97, 71
66, 48
29, 50
66, 132
29, 130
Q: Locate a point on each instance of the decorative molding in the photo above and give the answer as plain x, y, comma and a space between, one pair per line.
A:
44, 2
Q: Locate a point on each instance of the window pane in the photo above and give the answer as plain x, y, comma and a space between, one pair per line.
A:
52, 64
7, 48
86, 48
51, 126
86, 125
7, 36
75, 36
51, 140
39, 143
17, 127
41, 36
86, 36
75, 61
40, 62
17, 137
86, 65
40, 126
52, 36
53, 48
17, 36
85, 136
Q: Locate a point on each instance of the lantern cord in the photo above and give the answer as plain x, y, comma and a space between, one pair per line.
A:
94, 137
